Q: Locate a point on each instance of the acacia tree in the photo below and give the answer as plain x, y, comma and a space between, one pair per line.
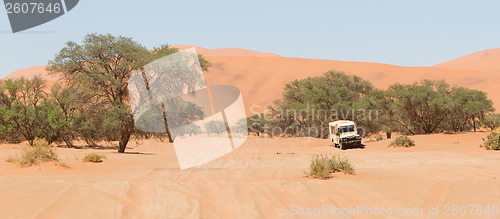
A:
386, 116
423, 106
431, 106
491, 121
22, 101
28, 112
215, 127
257, 123
309, 104
99, 70
69, 105
468, 106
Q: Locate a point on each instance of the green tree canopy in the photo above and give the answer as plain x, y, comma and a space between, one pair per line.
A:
491, 121
423, 106
99, 69
385, 113
309, 104
27, 112
467, 107
430, 106
215, 127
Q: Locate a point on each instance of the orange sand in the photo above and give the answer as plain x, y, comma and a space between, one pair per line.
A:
253, 181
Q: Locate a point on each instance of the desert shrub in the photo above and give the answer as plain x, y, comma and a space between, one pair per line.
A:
215, 127
402, 141
491, 121
257, 124
40, 152
93, 158
241, 127
492, 141
339, 164
12, 159
319, 167
377, 138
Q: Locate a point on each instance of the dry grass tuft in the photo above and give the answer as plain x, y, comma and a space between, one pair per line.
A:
93, 158
321, 166
402, 141
39, 153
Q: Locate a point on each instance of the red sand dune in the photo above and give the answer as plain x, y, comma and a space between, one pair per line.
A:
227, 51
30, 72
262, 76
261, 80
486, 60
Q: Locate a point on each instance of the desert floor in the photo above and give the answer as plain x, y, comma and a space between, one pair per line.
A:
263, 178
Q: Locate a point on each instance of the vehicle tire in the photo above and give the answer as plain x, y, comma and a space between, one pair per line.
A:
342, 146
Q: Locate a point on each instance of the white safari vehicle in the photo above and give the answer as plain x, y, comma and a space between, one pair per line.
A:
343, 133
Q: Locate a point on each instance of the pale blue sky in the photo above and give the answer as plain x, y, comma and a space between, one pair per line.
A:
400, 32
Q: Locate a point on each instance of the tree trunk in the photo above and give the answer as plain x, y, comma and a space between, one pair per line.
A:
124, 138
125, 133
388, 134
68, 142
169, 134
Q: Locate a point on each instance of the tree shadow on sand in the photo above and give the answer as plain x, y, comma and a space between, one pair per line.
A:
140, 153
103, 147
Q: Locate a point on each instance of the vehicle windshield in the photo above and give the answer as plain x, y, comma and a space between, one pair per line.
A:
348, 128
